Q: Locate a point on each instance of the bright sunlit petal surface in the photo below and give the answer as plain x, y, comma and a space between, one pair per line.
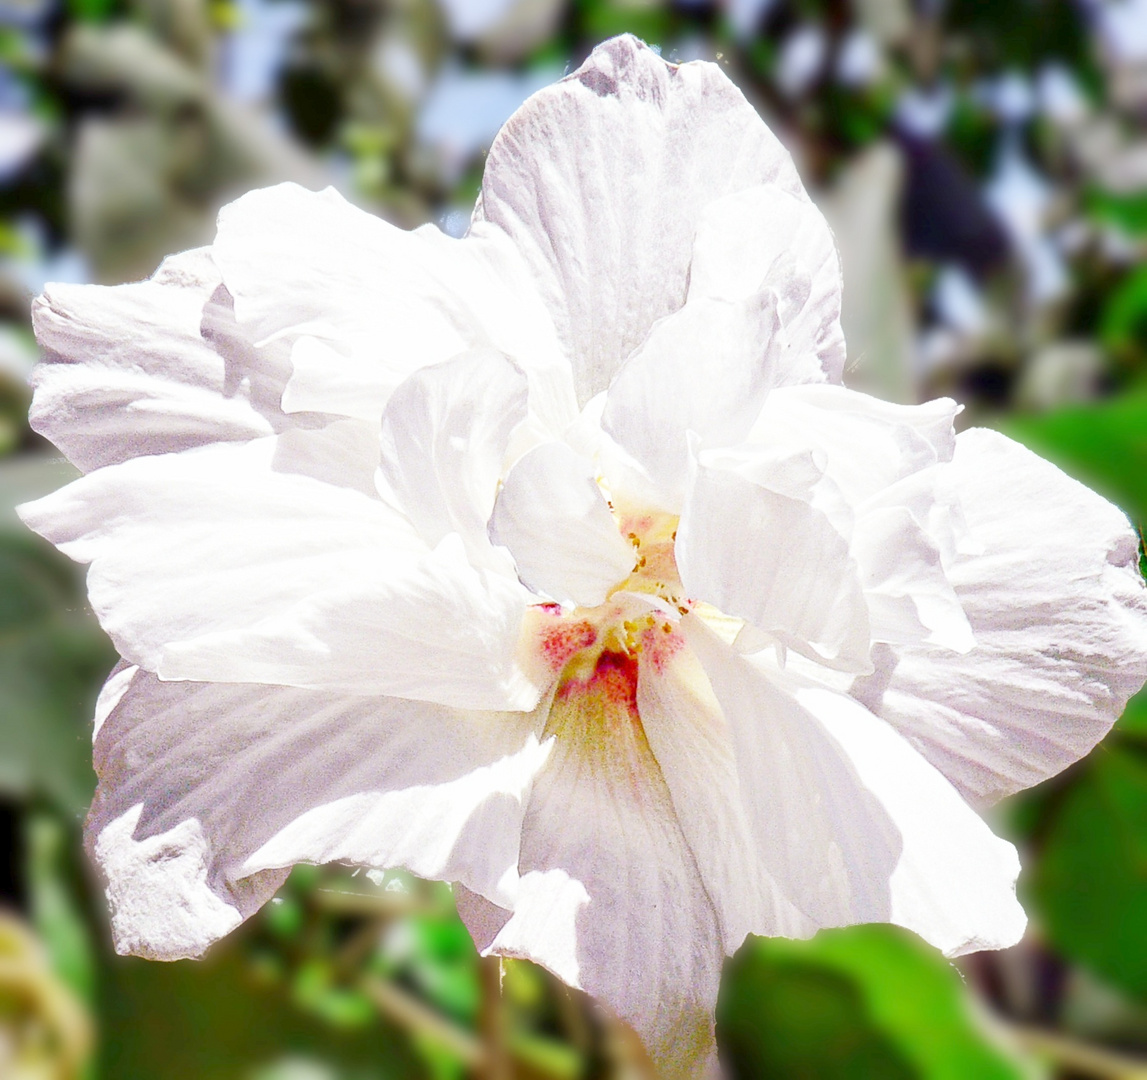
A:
557, 562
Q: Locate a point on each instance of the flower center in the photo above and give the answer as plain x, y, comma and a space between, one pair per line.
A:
655, 571
589, 649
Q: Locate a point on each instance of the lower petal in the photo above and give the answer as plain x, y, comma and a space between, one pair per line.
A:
209, 791
611, 899
851, 821
693, 745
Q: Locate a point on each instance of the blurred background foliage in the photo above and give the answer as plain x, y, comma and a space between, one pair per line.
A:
984, 168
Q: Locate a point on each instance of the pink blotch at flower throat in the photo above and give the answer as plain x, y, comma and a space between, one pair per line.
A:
597, 653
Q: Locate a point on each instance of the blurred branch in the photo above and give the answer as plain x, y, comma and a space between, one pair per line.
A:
495, 1057
397, 1005
1080, 1058
377, 903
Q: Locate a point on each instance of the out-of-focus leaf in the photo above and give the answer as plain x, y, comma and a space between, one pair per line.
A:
315, 988
436, 954
868, 1001
1123, 321
53, 904
1104, 445
1091, 878
211, 1020
1126, 211
25, 478
601, 19
1134, 719
92, 10
53, 656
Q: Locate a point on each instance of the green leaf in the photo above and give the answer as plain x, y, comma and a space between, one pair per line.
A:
1133, 722
1104, 445
53, 658
212, 1020
867, 1001
1127, 211
53, 655
1123, 322
1091, 878
54, 906
601, 19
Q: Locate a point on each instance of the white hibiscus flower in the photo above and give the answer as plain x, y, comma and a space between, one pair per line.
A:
556, 562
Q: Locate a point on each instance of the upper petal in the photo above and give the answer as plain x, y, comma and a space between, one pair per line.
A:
852, 822
554, 520
207, 790
215, 565
867, 444
1059, 613
774, 559
445, 431
765, 237
910, 598
147, 368
704, 369
600, 181
360, 304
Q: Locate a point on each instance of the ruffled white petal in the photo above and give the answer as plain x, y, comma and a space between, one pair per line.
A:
776, 561
209, 791
361, 304
691, 741
766, 237
213, 565
611, 898
909, 596
851, 821
554, 520
704, 369
147, 368
864, 444
445, 432
1059, 612
600, 180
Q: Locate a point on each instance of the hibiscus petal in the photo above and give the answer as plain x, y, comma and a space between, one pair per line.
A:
777, 562
212, 565
610, 897
1059, 613
767, 237
361, 304
705, 369
207, 790
867, 444
600, 181
910, 598
693, 746
133, 370
444, 436
554, 520
852, 822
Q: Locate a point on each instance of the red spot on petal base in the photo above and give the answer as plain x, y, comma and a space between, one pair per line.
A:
612, 684
563, 640
660, 643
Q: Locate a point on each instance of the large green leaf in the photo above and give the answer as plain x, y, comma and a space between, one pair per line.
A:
1103, 444
867, 1001
1089, 829
1090, 880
